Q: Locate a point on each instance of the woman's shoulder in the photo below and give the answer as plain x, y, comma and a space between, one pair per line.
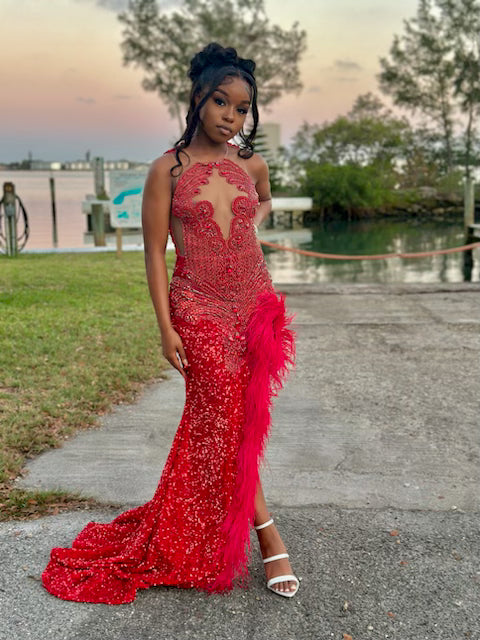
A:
258, 161
167, 158
257, 167
255, 164
162, 164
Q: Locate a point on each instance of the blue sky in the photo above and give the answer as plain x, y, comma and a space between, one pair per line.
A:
65, 90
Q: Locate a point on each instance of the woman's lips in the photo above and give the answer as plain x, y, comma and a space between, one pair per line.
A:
225, 131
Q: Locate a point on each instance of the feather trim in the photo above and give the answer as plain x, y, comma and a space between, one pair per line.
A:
270, 352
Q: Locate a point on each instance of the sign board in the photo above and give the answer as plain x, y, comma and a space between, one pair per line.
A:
126, 191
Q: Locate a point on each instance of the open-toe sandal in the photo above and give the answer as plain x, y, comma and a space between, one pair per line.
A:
277, 579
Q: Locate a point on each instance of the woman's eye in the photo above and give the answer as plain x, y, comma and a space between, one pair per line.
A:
243, 111
218, 100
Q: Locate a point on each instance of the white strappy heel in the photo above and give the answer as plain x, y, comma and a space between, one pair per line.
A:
277, 579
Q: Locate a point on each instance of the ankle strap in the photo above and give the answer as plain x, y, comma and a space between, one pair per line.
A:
277, 557
265, 524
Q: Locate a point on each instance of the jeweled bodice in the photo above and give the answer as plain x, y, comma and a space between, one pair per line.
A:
218, 277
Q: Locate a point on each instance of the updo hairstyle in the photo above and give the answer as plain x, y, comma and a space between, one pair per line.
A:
208, 69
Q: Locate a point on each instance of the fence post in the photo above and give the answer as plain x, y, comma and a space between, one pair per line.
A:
118, 236
98, 217
54, 211
9, 206
469, 202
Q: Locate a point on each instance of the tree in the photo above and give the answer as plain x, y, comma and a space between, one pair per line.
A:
368, 135
367, 105
351, 163
434, 69
163, 43
420, 72
348, 188
462, 19
422, 162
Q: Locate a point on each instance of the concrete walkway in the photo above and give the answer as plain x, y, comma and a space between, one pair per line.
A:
376, 431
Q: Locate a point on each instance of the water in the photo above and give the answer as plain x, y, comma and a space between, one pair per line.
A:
359, 237
371, 237
33, 189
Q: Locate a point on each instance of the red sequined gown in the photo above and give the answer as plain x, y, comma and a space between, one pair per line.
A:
195, 531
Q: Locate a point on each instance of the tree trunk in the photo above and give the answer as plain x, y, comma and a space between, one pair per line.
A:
468, 140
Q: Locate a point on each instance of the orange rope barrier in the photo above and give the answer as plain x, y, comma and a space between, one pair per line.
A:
378, 256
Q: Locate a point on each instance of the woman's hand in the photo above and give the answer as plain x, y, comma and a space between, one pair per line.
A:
172, 348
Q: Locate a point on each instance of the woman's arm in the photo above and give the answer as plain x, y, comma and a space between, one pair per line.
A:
262, 186
155, 222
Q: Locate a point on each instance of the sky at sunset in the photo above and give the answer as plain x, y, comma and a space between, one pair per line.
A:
65, 91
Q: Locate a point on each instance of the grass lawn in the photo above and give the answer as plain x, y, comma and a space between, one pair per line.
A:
78, 333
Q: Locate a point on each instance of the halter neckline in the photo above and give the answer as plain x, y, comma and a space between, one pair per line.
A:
216, 162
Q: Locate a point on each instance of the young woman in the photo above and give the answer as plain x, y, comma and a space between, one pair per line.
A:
225, 329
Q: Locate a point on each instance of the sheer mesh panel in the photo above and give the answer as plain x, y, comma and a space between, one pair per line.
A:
221, 195
176, 231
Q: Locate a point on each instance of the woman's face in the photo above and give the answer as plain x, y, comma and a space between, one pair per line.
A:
224, 113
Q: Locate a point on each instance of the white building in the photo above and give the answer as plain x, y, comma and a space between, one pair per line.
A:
272, 133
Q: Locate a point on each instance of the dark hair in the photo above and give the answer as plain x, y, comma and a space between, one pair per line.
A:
208, 69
